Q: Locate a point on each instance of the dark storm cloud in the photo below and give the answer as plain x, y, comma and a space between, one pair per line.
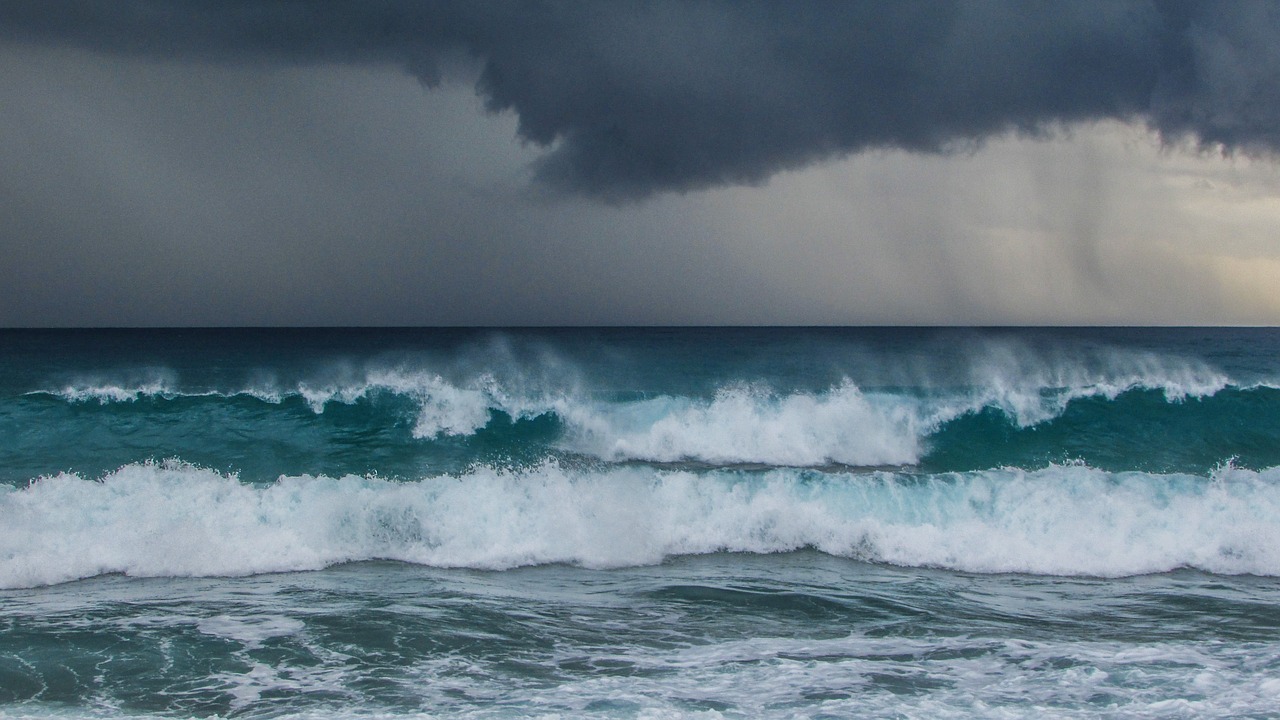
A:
639, 97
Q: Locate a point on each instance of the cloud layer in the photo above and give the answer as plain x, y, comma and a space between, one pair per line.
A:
632, 99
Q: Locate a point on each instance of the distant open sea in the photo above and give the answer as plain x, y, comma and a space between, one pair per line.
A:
640, 523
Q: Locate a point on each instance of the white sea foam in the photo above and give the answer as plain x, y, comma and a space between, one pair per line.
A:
176, 520
152, 385
783, 677
847, 425
960, 677
741, 423
252, 631
124, 392
444, 408
750, 424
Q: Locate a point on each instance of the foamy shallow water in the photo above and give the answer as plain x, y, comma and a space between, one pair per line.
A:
727, 635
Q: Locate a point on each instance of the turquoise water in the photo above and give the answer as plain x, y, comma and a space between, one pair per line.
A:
640, 523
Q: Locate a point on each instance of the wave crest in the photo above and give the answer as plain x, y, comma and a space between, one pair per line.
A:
740, 423
172, 519
750, 424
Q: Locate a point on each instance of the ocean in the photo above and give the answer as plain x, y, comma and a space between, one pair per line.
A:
640, 523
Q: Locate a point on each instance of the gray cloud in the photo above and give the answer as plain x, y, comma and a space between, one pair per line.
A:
629, 99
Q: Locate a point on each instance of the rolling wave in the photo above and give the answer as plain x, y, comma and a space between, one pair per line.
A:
174, 519
753, 423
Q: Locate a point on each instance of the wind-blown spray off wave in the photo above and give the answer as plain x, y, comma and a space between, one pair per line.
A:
172, 519
738, 422
733, 496
444, 408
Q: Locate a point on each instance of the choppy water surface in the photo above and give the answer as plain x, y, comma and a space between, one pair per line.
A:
640, 523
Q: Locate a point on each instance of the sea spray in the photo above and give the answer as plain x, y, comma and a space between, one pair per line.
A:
173, 519
407, 423
750, 424
735, 522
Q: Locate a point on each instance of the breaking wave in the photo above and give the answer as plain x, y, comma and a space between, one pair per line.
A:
174, 519
738, 422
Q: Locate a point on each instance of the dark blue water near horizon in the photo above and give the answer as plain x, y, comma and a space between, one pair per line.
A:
640, 522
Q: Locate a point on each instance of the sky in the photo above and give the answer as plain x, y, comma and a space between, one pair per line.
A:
393, 162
